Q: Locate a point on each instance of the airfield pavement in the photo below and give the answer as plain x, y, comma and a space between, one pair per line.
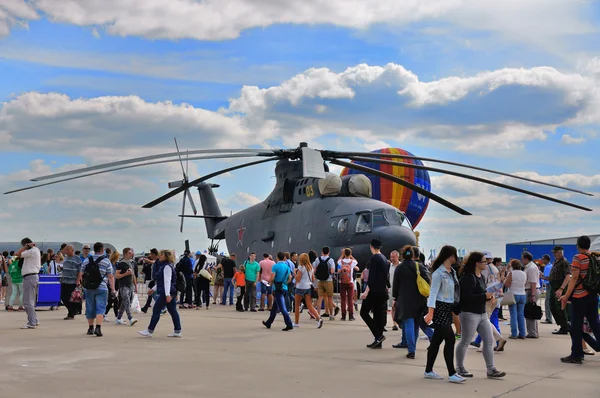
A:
228, 354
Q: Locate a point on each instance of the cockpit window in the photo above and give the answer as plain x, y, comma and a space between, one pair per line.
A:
342, 225
379, 219
403, 220
364, 223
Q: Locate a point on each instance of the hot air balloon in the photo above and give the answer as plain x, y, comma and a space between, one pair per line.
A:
404, 199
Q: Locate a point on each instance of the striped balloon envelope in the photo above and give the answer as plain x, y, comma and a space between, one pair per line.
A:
410, 203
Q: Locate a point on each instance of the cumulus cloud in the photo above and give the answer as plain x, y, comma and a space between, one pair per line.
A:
535, 20
498, 110
107, 123
15, 12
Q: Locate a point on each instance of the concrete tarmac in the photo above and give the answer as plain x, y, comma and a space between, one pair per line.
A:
224, 353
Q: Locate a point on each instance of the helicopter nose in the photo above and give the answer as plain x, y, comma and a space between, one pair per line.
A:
395, 237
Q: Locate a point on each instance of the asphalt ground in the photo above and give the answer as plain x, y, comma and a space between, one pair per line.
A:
224, 353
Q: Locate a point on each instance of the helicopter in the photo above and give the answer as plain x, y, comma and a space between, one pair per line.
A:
309, 207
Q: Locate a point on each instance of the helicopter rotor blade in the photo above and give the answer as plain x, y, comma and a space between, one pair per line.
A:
249, 152
406, 184
336, 155
469, 177
187, 163
228, 156
187, 185
180, 160
189, 197
183, 213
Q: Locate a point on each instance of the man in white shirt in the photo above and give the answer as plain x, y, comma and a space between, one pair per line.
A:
394, 262
532, 291
30, 271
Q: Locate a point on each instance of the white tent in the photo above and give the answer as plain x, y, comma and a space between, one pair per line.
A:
595, 245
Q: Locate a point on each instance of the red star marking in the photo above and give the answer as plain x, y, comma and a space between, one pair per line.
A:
240, 232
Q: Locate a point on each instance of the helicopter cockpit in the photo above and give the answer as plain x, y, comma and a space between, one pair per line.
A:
369, 221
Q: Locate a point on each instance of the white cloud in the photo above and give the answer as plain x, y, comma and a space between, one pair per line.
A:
124, 122
15, 12
567, 139
533, 20
488, 111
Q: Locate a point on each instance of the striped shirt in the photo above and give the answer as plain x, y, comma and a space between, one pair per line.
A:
71, 268
582, 263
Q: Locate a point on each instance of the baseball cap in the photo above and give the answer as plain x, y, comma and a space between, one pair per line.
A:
198, 253
487, 255
557, 248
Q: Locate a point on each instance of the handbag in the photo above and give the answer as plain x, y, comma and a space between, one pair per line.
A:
533, 311
76, 296
422, 284
205, 274
508, 299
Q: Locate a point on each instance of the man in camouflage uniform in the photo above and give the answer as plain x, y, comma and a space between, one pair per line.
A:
559, 273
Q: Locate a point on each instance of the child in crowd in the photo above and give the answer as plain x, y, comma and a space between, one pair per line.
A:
239, 281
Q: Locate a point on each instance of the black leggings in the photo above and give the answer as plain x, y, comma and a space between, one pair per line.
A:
203, 289
441, 333
112, 302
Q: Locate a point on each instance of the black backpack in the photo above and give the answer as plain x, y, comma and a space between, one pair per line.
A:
181, 284
322, 272
591, 282
92, 278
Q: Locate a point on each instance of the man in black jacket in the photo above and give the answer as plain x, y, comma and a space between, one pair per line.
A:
375, 295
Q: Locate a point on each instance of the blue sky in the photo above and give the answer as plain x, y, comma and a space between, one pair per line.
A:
510, 88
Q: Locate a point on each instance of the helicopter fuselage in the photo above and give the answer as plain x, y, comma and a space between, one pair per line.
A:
336, 222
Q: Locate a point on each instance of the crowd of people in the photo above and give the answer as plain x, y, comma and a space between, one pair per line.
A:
450, 299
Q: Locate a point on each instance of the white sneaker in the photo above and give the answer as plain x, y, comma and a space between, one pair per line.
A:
433, 376
175, 334
106, 319
119, 322
28, 326
132, 321
320, 323
145, 333
295, 325
456, 378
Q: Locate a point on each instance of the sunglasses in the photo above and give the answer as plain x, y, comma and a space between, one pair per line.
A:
85, 248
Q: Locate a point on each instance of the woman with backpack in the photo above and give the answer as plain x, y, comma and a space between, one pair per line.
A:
305, 277
410, 304
474, 317
163, 272
347, 265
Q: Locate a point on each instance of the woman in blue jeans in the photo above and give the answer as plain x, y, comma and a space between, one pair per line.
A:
515, 281
163, 272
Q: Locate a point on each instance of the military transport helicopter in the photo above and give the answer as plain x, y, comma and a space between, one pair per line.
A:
309, 207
